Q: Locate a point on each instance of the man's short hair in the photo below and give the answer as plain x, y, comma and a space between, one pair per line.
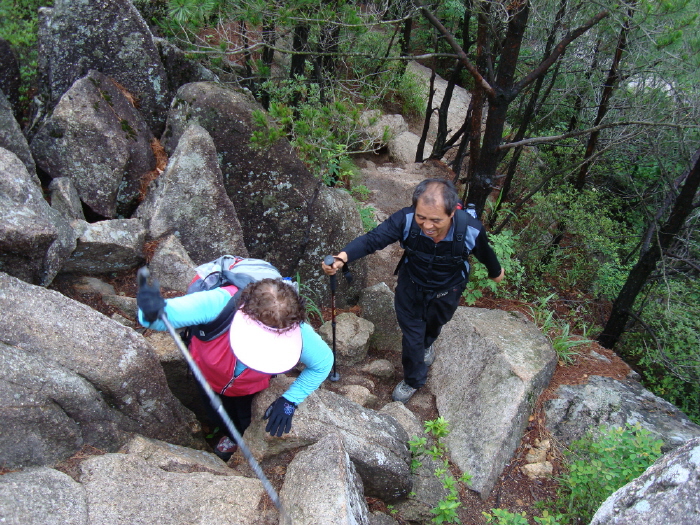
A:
428, 189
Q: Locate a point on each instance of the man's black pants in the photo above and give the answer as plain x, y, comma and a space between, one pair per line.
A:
421, 315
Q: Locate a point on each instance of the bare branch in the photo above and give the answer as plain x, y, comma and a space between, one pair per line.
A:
555, 138
558, 50
461, 55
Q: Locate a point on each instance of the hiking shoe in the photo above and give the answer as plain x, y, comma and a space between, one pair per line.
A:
225, 448
403, 392
429, 357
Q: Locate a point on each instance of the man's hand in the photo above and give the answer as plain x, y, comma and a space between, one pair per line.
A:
500, 277
280, 415
338, 262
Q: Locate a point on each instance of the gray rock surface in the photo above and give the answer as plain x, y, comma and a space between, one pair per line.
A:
11, 136
171, 264
65, 199
107, 246
189, 200
38, 496
108, 36
124, 489
377, 303
291, 219
402, 148
98, 139
35, 239
352, 334
174, 458
322, 486
375, 442
490, 368
98, 380
606, 401
667, 493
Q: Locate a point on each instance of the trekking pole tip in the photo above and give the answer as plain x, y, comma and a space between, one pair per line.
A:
142, 276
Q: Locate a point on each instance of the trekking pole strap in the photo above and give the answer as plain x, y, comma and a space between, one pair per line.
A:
216, 403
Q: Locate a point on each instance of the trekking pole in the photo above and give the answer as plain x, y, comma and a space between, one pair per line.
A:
143, 275
328, 261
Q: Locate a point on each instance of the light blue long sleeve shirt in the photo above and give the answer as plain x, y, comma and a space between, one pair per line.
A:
203, 307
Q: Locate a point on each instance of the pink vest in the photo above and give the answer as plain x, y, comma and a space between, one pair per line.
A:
218, 363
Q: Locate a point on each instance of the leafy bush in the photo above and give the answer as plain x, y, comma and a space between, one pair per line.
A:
504, 247
600, 463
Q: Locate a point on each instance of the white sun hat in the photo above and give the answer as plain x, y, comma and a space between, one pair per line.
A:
263, 348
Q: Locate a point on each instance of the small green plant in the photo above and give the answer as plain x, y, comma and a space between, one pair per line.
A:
367, 214
305, 292
558, 333
212, 433
504, 517
446, 510
600, 463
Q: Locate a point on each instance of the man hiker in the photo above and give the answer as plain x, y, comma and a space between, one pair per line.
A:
438, 237
268, 335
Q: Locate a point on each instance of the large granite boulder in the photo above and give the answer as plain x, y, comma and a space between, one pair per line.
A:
35, 239
109, 36
490, 367
11, 137
667, 493
322, 486
375, 442
107, 246
148, 482
606, 401
189, 200
74, 377
98, 139
290, 218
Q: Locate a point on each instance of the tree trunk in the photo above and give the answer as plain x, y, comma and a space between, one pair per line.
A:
608, 89
481, 184
299, 45
639, 275
529, 112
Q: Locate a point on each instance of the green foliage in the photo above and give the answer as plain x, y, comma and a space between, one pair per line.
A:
307, 293
413, 94
504, 517
599, 464
504, 246
367, 214
556, 331
446, 510
668, 348
18, 25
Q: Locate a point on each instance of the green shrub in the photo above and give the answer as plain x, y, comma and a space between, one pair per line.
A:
504, 247
599, 464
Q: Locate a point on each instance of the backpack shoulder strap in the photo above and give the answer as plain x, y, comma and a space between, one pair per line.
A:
460, 233
213, 329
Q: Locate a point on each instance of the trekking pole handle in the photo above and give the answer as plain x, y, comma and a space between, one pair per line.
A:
328, 260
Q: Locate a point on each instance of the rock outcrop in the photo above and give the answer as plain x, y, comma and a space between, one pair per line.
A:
97, 138
189, 200
109, 36
490, 368
74, 377
667, 492
35, 239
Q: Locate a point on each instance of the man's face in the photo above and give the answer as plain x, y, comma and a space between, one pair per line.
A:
433, 220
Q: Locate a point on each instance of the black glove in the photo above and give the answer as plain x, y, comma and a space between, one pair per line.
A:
150, 301
280, 415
